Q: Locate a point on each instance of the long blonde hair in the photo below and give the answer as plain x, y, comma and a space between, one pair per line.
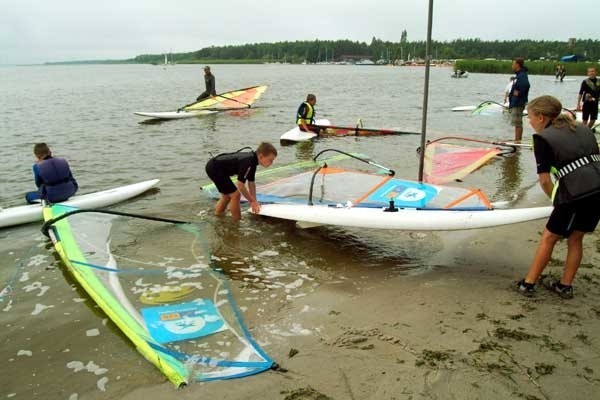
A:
550, 107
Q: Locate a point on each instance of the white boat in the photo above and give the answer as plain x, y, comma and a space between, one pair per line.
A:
33, 212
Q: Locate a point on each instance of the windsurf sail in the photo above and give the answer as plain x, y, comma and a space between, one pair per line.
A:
447, 162
336, 182
275, 173
233, 100
489, 108
175, 307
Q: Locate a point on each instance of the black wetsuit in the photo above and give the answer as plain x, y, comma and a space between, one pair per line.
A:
241, 163
209, 80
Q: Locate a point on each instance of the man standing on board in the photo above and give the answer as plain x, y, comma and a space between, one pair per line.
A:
589, 94
517, 98
209, 80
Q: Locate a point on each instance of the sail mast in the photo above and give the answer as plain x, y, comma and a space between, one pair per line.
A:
425, 91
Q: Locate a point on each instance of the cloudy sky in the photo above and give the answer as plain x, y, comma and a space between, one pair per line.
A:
66, 30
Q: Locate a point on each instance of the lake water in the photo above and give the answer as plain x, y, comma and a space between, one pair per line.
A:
85, 114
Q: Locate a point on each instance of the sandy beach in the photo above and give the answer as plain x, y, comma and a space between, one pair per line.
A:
347, 314
458, 332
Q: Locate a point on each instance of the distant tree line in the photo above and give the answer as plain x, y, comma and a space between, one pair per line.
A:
337, 50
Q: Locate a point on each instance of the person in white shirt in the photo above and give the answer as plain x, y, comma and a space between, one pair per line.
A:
507, 89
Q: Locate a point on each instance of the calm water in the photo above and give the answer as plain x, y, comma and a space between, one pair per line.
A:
85, 114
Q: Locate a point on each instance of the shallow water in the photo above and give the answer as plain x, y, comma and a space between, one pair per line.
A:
55, 343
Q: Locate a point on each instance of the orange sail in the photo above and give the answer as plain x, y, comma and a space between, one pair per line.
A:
233, 100
448, 162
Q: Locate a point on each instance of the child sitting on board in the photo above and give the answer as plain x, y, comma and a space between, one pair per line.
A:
53, 177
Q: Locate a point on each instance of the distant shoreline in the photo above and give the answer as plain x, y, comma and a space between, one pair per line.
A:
376, 52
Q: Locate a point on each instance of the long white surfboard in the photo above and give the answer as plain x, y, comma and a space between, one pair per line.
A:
33, 212
403, 219
464, 108
296, 135
175, 114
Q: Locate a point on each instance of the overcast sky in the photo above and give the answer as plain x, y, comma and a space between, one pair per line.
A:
66, 30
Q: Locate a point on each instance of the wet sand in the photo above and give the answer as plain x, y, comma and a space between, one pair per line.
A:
382, 315
457, 332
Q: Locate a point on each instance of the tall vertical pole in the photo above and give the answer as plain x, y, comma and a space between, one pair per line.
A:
425, 91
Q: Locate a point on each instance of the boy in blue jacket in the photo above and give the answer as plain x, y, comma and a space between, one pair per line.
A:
53, 177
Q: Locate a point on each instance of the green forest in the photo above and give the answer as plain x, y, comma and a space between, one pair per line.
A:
341, 50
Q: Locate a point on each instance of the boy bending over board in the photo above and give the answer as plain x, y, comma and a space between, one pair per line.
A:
242, 164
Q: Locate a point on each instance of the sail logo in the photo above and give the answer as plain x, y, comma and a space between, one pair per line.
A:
404, 193
183, 321
411, 194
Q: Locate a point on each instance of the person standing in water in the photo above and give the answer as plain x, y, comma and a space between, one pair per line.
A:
569, 151
242, 164
587, 100
517, 98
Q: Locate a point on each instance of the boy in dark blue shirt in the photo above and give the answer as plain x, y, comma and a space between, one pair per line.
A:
53, 177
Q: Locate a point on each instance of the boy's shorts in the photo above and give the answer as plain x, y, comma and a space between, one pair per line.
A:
222, 181
589, 111
581, 215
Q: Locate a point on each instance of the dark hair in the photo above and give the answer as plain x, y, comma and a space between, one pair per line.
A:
311, 97
550, 107
266, 148
519, 61
41, 150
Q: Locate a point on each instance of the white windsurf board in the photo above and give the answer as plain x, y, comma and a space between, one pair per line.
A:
33, 212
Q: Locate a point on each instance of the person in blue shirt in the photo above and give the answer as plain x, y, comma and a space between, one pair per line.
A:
517, 98
53, 177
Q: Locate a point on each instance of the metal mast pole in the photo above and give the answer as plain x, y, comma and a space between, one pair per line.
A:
425, 91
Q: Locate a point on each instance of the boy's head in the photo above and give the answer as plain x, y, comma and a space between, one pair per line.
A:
312, 99
518, 64
266, 153
41, 150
